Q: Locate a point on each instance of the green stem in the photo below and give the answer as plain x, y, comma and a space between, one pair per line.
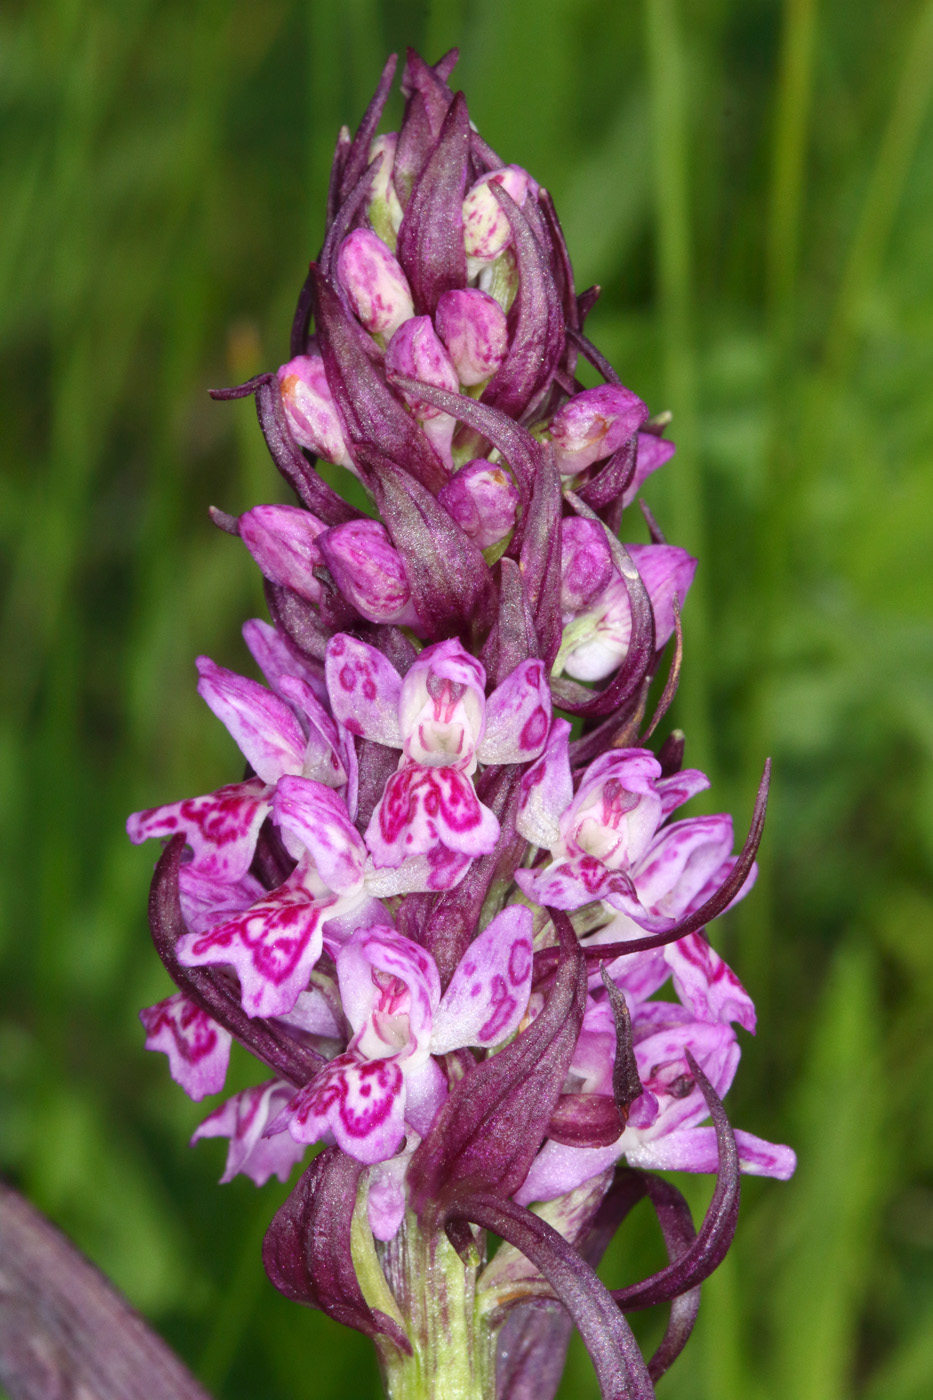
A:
453, 1346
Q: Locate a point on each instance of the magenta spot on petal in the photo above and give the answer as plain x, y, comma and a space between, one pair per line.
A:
347, 677
369, 688
519, 962
476, 989
535, 731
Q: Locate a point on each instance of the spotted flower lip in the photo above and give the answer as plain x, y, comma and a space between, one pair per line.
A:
465, 934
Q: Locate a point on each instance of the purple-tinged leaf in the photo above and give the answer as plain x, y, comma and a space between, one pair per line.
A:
673, 677
618, 1363
709, 1248
537, 329
352, 161
297, 620
709, 910
310, 488
561, 265
451, 583
430, 239
512, 639
347, 218
612, 479
626, 1084
371, 413
520, 450
671, 753
589, 351
415, 140
431, 82
65, 1330
490, 1128
531, 1350
307, 1252
540, 557
676, 1222
212, 990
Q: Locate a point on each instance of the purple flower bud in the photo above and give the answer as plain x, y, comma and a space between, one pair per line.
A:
385, 211
369, 571
592, 425
586, 562
482, 498
486, 228
310, 409
375, 283
416, 351
282, 540
473, 327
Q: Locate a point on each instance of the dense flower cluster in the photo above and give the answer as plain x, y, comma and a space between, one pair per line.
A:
438, 909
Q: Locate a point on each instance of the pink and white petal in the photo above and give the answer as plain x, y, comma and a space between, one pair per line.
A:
694, 1150
221, 828
318, 817
680, 862
386, 1199
559, 1168
360, 1102
488, 993
206, 902
577, 880
273, 947
547, 790
265, 728
409, 988
423, 807
666, 571
439, 869
316, 1014
706, 984
426, 1090
679, 788
275, 658
364, 690
243, 1120
518, 714
322, 757
198, 1049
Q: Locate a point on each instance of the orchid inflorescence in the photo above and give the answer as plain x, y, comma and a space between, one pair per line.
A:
441, 902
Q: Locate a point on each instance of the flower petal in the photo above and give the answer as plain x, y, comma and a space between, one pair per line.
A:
488, 993
361, 1103
518, 714
264, 727
221, 828
364, 690
273, 947
319, 818
243, 1120
198, 1049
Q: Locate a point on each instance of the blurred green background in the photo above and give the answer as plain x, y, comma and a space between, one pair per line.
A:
752, 185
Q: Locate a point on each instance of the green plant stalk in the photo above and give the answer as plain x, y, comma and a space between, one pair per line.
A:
453, 1351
